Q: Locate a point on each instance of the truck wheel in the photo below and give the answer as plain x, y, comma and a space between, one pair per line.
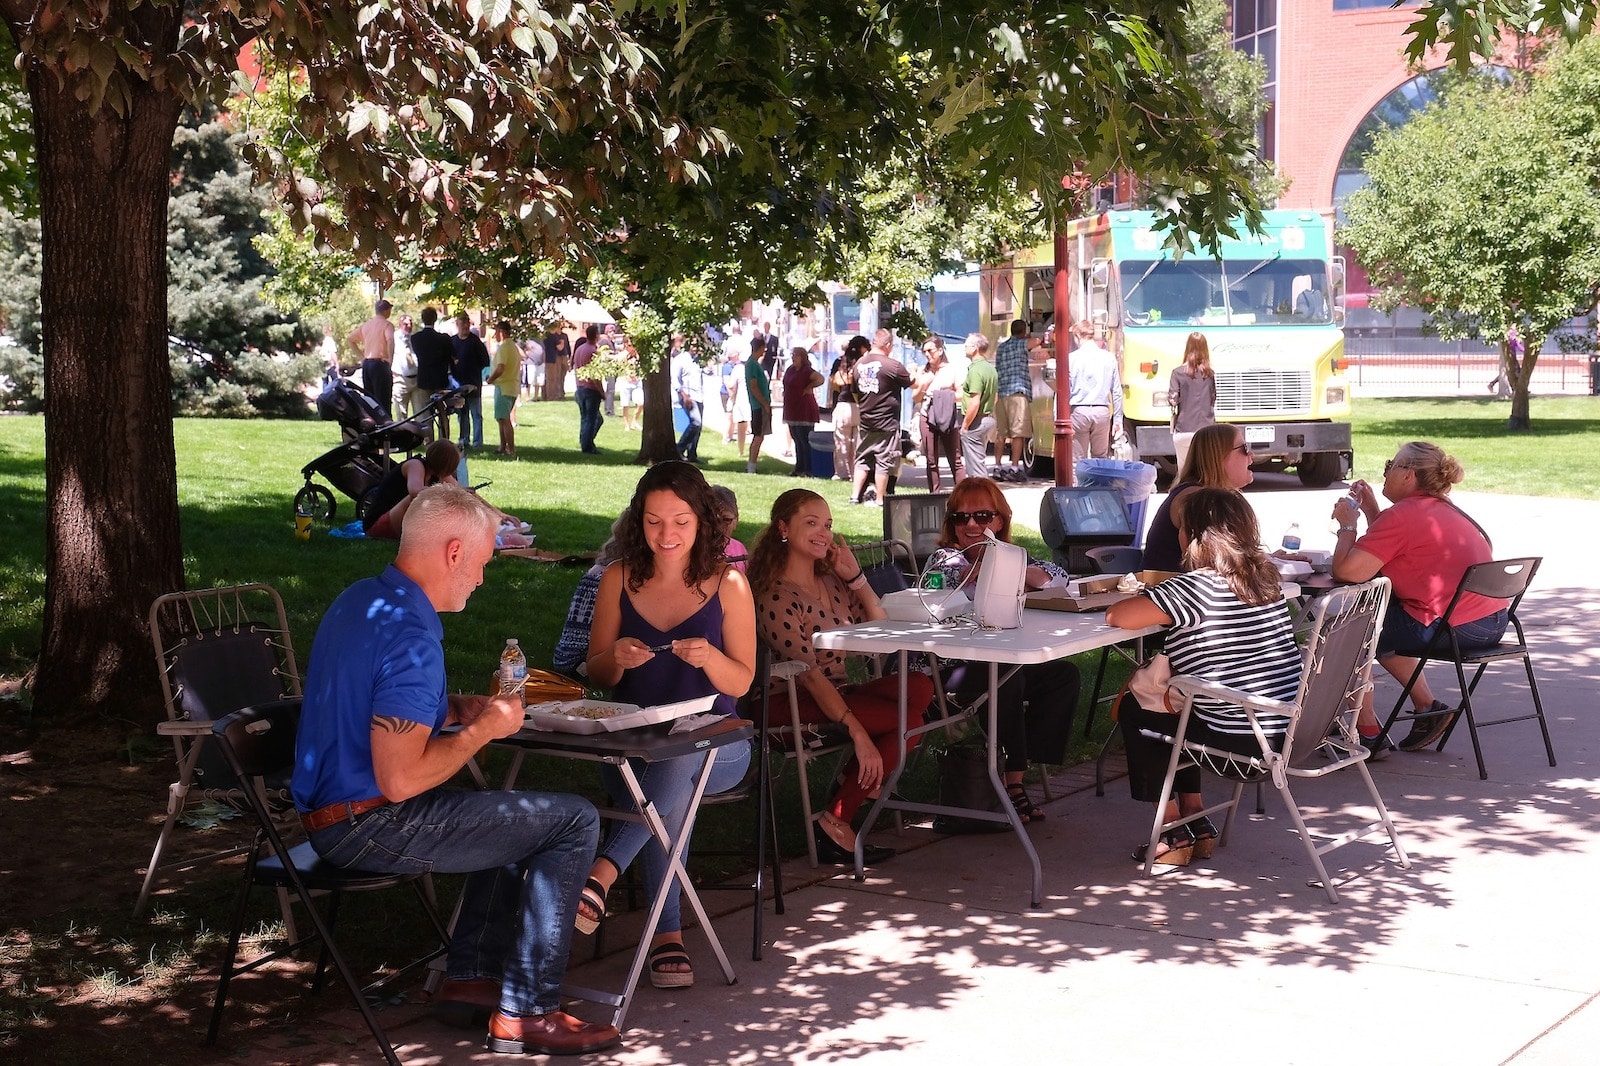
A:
315, 501
1318, 469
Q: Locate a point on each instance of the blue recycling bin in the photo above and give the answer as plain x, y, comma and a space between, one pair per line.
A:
821, 454
1133, 480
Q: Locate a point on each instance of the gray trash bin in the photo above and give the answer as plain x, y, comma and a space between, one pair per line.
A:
1134, 480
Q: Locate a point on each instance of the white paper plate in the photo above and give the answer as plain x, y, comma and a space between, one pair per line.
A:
601, 716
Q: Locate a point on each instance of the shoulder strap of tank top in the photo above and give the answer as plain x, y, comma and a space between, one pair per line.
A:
1481, 531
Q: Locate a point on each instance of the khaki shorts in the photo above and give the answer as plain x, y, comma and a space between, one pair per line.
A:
879, 450
1011, 417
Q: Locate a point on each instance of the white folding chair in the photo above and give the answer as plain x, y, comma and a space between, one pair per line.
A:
803, 743
1321, 738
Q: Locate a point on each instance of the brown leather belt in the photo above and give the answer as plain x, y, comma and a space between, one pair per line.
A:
334, 813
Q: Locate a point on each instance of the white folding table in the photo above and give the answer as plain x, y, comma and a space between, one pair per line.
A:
1042, 637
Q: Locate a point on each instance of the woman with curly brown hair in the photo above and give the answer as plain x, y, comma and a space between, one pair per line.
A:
807, 579
672, 621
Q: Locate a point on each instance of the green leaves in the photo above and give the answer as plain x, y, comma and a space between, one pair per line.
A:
1483, 208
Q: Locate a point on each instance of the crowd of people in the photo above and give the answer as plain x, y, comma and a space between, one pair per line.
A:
675, 608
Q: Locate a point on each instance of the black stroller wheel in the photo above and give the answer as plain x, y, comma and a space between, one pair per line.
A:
315, 501
365, 504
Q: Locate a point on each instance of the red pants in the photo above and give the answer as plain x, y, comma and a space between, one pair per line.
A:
876, 706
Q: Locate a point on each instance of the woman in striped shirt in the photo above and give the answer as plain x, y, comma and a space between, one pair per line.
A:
1229, 624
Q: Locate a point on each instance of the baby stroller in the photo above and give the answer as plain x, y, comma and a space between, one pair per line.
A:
358, 466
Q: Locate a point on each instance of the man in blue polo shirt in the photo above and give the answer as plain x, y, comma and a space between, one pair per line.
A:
370, 760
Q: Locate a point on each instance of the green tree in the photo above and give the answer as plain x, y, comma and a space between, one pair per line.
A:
529, 127
1480, 211
1473, 30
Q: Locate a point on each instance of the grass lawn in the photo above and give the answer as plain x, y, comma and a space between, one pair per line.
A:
1550, 459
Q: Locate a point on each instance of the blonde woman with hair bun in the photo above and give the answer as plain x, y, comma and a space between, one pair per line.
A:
1423, 544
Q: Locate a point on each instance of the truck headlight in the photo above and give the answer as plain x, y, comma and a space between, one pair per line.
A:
1158, 399
1333, 396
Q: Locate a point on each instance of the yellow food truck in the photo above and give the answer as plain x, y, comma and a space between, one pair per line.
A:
1267, 307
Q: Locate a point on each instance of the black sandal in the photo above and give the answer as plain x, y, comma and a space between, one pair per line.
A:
670, 954
1204, 831
1179, 844
1026, 809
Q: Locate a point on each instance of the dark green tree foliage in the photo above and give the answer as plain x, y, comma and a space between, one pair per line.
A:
214, 272
233, 352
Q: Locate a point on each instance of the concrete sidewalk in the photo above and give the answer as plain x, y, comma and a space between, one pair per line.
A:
1480, 953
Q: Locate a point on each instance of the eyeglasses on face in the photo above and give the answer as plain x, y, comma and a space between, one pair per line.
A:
1242, 449
1393, 464
983, 518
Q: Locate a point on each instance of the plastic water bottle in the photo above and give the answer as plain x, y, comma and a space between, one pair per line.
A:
933, 581
513, 670
1291, 537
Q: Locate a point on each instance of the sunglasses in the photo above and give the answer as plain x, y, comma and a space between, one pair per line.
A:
983, 518
1392, 464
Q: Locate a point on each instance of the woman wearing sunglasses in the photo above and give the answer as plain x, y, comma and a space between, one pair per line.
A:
805, 579
1423, 544
1218, 458
1038, 701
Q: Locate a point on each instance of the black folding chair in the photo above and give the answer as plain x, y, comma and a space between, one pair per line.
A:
258, 742
1503, 579
757, 784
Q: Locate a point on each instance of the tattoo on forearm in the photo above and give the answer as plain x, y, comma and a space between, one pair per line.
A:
393, 725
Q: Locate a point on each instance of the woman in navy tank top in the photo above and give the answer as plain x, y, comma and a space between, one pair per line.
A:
673, 590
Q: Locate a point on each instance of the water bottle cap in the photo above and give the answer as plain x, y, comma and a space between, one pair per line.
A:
511, 642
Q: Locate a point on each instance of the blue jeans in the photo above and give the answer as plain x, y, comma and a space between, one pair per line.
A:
801, 432
1403, 635
526, 854
471, 417
589, 419
667, 784
689, 443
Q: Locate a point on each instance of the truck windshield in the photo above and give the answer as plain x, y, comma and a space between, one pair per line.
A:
1239, 292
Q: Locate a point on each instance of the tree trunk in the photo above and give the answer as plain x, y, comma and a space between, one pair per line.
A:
1520, 378
112, 540
658, 442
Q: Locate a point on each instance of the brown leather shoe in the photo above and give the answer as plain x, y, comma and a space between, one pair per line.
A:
466, 1003
556, 1033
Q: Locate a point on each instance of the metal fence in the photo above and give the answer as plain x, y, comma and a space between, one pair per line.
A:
1386, 362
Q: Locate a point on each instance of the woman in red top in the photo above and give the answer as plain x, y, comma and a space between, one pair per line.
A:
800, 411
1423, 545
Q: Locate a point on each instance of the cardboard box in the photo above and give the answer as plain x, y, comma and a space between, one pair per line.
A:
1109, 582
1064, 600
